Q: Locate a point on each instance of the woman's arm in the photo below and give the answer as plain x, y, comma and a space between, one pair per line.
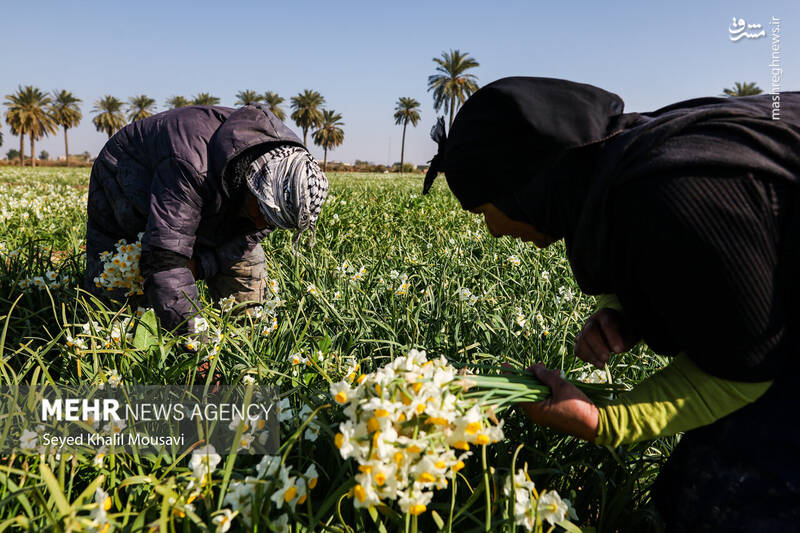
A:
175, 211
678, 398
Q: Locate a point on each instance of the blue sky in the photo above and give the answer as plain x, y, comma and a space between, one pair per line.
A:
363, 56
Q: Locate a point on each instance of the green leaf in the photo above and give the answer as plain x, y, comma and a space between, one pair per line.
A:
374, 515
437, 519
569, 527
54, 488
146, 335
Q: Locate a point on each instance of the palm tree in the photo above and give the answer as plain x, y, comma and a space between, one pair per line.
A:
66, 113
109, 116
274, 102
329, 135
205, 99
15, 126
28, 115
743, 89
175, 102
452, 83
306, 113
140, 107
406, 110
247, 97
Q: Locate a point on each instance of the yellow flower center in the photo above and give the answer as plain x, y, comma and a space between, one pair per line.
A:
302, 499
472, 428
291, 492
360, 493
482, 438
417, 509
380, 478
426, 477
107, 503
361, 379
414, 448
398, 457
365, 468
439, 464
438, 420
373, 424
416, 386
458, 466
341, 397
420, 408
313, 482
461, 445
338, 440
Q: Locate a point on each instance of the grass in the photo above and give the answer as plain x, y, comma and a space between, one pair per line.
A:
391, 270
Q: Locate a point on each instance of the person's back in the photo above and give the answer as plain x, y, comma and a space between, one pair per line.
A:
165, 177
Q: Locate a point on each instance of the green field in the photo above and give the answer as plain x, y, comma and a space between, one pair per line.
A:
391, 270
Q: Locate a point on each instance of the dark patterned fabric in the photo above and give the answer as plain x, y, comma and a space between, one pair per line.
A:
290, 187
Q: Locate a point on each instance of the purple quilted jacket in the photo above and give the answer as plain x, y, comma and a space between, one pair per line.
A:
165, 175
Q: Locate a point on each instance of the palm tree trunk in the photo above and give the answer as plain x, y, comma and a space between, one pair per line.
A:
21, 150
33, 153
66, 146
403, 146
305, 135
325, 161
452, 105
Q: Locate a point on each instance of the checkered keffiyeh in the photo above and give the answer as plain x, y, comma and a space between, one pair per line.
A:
290, 188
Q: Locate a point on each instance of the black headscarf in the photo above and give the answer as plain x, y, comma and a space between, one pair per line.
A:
549, 152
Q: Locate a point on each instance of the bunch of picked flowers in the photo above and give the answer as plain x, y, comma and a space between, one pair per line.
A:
411, 424
121, 268
410, 429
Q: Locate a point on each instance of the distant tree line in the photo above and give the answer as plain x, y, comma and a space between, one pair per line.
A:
35, 114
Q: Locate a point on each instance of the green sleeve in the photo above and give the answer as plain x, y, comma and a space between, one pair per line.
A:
678, 398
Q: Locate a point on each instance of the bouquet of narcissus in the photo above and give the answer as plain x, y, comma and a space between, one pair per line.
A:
121, 269
411, 424
410, 430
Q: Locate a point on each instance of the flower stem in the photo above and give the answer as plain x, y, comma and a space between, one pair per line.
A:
452, 504
488, 520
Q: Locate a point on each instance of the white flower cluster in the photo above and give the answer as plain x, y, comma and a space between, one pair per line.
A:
530, 505
596, 376
404, 424
39, 202
465, 295
100, 522
349, 271
121, 269
520, 317
50, 280
105, 336
402, 283
285, 485
565, 294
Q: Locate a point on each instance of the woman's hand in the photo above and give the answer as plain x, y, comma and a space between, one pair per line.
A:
604, 333
567, 409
